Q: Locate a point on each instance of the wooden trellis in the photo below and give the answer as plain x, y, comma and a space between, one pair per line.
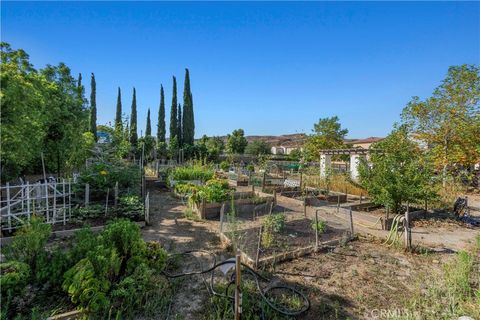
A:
51, 200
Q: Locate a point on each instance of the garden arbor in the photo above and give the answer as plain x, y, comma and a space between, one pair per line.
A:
356, 155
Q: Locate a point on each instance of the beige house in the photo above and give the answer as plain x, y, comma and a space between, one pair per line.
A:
363, 143
285, 149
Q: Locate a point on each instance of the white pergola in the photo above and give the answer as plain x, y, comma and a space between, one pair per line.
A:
356, 154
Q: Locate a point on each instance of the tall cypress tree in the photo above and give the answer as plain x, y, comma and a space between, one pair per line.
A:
161, 118
133, 120
148, 130
93, 107
179, 126
80, 87
188, 118
118, 114
173, 112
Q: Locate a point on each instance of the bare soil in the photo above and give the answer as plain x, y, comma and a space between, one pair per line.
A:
349, 281
357, 280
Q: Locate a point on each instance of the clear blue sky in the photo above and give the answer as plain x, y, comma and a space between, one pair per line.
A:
269, 68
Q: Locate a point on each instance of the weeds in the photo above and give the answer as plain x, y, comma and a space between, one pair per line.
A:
455, 293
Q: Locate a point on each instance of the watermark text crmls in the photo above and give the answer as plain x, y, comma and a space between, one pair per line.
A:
390, 313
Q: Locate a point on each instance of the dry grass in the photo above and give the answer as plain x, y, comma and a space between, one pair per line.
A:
336, 183
454, 293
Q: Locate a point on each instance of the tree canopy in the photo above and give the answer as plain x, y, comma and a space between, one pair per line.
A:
327, 134
448, 122
398, 173
236, 142
42, 112
258, 147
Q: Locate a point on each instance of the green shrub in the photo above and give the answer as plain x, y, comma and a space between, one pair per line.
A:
83, 242
193, 172
320, 226
224, 165
14, 277
28, 245
275, 222
130, 206
51, 267
124, 236
92, 211
214, 191
185, 188
156, 256
116, 277
102, 176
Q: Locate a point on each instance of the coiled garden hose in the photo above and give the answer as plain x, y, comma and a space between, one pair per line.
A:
246, 269
394, 235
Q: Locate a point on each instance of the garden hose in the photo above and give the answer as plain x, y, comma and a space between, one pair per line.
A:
256, 276
393, 235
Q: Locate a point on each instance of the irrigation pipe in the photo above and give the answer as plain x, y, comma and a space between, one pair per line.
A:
256, 276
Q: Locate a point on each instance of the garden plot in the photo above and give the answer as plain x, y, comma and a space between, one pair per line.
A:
271, 234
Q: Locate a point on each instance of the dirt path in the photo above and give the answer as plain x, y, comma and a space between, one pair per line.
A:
177, 234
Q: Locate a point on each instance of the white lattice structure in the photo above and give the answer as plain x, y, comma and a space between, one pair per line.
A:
51, 200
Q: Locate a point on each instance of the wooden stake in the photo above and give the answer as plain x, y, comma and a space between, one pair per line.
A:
259, 243
116, 195
87, 194
316, 230
106, 202
222, 214
9, 215
304, 206
407, 231
238, 289
64, 203
351, 222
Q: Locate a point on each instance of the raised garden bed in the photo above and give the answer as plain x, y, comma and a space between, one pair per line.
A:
243, 202
296, 240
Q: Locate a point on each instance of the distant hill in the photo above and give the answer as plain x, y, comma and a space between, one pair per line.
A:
298, 139
294, 139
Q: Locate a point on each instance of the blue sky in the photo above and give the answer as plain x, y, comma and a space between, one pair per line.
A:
269, 68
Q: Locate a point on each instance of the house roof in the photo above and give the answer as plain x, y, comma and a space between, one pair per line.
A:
366, 140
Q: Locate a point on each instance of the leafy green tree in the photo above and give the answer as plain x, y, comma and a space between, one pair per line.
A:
173, 114
148, 129
258, 147
93, 107
188, 116
161, 131
398, 173
236, 142
295, 155
22, 104
327, 134
179, 126
133, 121
173, 148
449, 121
118, 113
147, 146
121, 139
64, 117
215, 147
211, 148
